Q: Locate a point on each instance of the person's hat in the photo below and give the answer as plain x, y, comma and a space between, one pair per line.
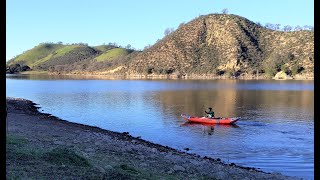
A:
210, 107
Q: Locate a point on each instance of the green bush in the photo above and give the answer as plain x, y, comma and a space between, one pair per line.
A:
276, 62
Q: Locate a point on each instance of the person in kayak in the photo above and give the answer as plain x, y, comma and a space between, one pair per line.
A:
210, 113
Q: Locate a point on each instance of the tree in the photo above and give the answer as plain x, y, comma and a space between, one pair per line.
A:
307, 27
128, 46
296, 69
287, 28
269, 26
298, 28
258, 23
147, 47
225, 11
168, 31
273, 63
277, 26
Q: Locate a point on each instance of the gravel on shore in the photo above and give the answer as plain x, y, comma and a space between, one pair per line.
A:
42, 146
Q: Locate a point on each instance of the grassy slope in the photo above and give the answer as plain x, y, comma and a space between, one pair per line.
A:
44, 53
33, 55
59, 52
112, 54
61, 160
35, 162
104, 48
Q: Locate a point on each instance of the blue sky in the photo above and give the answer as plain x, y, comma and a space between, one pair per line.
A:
138, 23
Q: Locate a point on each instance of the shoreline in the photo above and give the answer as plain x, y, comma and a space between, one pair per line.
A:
162, 77
108, 153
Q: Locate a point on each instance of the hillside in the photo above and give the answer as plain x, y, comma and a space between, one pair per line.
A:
211, 45
221, 44
67, 58
35, 54
111, 54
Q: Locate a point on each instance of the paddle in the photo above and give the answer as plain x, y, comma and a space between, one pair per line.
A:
203, 109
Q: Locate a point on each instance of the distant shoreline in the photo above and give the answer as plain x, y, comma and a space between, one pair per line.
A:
161, 77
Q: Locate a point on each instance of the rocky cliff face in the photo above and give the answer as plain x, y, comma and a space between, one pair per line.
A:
220, 44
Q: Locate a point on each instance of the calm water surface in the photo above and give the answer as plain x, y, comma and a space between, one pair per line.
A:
276, 132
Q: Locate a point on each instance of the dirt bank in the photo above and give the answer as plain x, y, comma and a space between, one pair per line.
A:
41, 146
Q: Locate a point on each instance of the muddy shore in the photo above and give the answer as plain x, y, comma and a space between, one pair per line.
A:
42, 146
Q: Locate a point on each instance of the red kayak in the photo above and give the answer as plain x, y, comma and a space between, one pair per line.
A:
210, 120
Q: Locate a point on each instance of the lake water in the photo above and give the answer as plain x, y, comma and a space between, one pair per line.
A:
275, 134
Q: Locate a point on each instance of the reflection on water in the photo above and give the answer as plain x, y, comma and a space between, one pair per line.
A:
276, 105
209, 128
59, 77
275, 133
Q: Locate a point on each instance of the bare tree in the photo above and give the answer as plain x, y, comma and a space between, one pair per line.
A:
224, 11
298, 28
287, 28
269, 26
147, 47
168, 31
308, 27
114, 44
277, 26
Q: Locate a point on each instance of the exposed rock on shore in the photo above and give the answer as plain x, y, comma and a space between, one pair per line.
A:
282, 75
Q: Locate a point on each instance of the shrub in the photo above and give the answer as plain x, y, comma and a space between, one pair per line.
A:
285, 69
15, 68
148, 70
296, 69
169, 71
219, 72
